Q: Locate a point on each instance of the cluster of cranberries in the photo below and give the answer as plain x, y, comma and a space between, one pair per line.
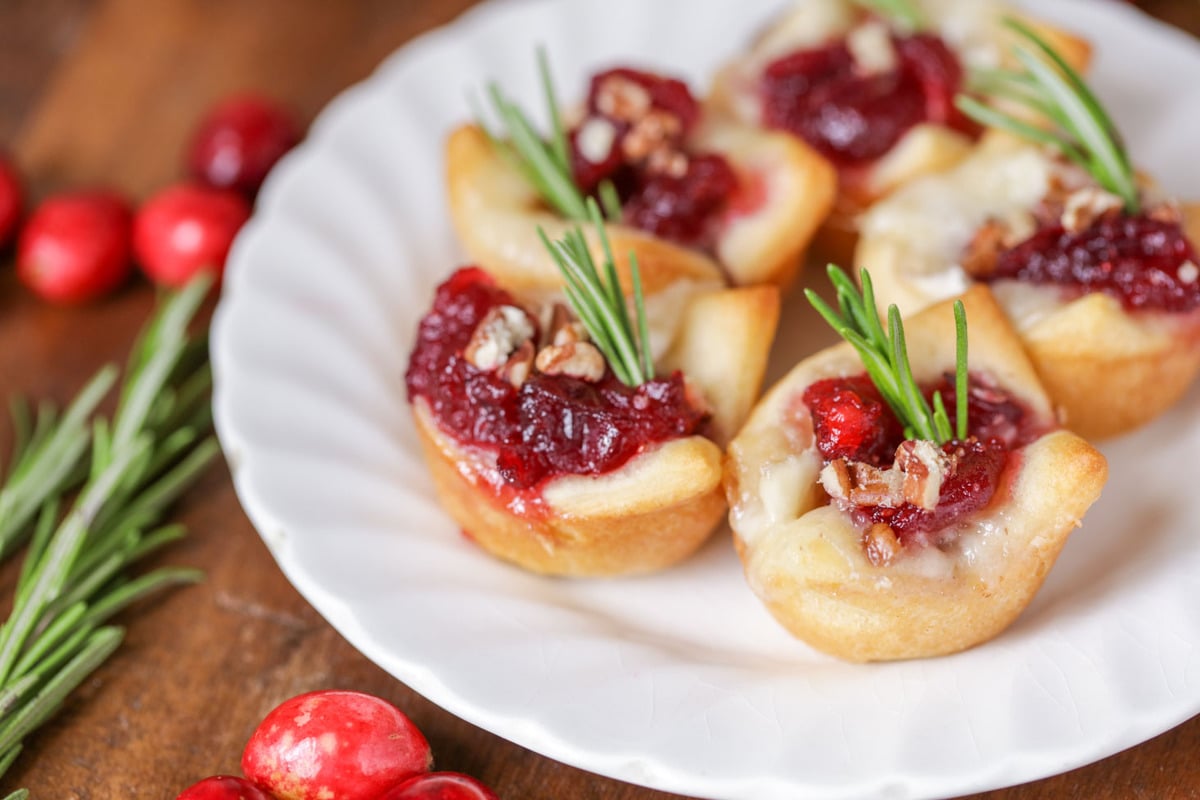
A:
338, 745
79, 245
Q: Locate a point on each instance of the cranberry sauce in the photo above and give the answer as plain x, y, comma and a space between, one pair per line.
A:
633, 135
852, 116
851, 420
1145, 263
551, 425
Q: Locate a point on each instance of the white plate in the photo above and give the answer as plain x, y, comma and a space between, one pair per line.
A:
679, 681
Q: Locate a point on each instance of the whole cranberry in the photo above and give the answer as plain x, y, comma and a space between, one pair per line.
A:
75, 247
334, 744
186, 228
238, 142
440, 786
11, 201
224, 787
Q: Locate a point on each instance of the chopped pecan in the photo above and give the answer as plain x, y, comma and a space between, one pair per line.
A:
562, 327
578, 360
979, 260
880, 544
517, 368
622, 99
861, 484
1168, 212
924, 465
653, 131
1084, 206
497, 336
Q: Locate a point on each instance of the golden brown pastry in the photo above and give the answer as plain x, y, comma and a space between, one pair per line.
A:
871, 559
698, 192
547, 460
874, 95
1109, 365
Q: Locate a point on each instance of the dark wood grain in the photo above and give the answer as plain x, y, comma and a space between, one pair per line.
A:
104, 91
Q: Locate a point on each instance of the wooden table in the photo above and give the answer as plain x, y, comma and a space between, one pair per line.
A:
104, 91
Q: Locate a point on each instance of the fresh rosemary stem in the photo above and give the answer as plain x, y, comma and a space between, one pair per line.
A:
1079, 126
600, 304
884, 356
72, 580
545, 163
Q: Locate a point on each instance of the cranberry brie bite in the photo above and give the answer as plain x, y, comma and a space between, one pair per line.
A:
871, 86
873, 527
675, 184
1099, 276
569, 438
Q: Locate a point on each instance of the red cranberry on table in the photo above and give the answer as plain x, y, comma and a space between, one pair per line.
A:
440, 786
11, 201
350, 744
187, 228
224, 787
238, 142
75, 247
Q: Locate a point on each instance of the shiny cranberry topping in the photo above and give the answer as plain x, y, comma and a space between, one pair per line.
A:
551, 425
665, 190
1134, 258
852, 117
850, 420
685, 208
970, 487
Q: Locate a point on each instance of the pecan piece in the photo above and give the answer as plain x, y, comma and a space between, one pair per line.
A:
497, 336
880, 544
578, 360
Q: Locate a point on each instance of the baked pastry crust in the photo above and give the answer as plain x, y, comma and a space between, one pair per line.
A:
657, 508
496, 213
1108, 370
973, 29
804, 558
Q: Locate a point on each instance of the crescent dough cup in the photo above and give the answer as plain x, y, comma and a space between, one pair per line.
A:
804, 558
657, 508
496, 213
1108, 370
973, 29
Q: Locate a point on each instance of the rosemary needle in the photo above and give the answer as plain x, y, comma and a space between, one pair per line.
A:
72, 580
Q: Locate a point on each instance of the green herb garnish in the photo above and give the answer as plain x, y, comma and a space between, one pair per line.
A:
902, 12
599, 303
1047, 85
545, 164
73, 580
884, 354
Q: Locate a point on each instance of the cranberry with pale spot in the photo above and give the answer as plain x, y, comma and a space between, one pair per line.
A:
224, 787
75, 246
239, 141
334, 744
187, 228
441, 786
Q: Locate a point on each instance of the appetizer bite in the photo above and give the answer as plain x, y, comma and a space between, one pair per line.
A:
585, 437
875, 527
675, 184
1097, 271
870, 84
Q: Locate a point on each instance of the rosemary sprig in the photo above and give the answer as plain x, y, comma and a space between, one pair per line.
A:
546, 164
884, 355
902, 12
73, 579
599, 303
1080, 127
48, 454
